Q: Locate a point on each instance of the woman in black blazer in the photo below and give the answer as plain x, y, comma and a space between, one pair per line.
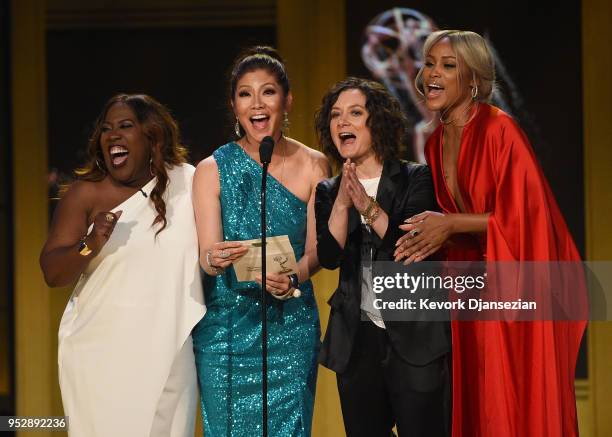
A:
388, 373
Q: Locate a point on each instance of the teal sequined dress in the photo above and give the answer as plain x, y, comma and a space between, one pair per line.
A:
227, 341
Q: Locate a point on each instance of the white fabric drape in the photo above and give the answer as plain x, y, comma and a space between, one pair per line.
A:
130, 314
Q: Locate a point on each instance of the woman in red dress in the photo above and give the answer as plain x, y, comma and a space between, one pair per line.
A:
514, 378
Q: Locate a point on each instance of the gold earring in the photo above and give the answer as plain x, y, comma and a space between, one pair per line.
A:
474, 92
237, 128
285, 122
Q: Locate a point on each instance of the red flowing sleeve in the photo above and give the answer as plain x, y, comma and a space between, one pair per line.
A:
526, 223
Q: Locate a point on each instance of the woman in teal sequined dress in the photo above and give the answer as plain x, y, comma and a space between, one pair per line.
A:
227, 342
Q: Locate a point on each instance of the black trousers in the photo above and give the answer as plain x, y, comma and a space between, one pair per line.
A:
379, 390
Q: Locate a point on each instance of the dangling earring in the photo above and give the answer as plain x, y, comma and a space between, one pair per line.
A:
285, 123
151, 166
237, 128
474, 92
99, 166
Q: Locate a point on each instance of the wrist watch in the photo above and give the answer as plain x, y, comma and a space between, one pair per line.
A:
293, 280
84, 249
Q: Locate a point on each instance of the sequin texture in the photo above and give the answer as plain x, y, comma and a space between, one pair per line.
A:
227, 342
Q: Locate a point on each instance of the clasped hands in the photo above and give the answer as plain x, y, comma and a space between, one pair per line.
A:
351, 192
425, 234
223, 254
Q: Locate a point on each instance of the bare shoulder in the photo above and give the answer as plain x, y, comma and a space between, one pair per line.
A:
316, 162
304, 150
206, 176
77, 204
82, 193
206, 168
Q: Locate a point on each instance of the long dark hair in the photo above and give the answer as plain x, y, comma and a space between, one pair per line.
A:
386, 120
163, 134
258, 58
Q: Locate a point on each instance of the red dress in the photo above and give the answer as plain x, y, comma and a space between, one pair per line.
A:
510, 379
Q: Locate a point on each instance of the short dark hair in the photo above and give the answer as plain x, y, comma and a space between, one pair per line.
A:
386, 121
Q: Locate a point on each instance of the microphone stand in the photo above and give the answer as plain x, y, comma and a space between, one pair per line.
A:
266, 148
264, 295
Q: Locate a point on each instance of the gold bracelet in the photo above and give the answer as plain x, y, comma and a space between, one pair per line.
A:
372, 211
373, 215
366, 212
84, 249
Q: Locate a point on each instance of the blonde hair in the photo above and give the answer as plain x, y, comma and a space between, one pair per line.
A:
471, 50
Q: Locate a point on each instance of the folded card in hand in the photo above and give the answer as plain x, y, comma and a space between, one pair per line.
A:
280, 258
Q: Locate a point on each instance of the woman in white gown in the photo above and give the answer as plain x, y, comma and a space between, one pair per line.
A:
125, 230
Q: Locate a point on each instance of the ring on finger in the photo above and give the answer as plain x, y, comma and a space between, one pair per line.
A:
224, 253
110, 217
414, 233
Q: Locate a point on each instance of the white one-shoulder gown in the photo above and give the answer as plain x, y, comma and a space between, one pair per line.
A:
126, 365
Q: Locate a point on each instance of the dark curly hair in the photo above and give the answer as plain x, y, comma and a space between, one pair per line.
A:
253, 59
386, 121
159, 128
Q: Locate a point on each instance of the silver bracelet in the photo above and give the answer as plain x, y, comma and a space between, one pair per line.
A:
215, 269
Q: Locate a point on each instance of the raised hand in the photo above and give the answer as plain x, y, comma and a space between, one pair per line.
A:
344, 198
358, 194
103, 226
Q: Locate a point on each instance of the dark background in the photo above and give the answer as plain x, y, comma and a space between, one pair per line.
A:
7, 401
185, 69
540, 45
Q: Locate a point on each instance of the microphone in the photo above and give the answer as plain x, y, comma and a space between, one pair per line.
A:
265, 150
265, 156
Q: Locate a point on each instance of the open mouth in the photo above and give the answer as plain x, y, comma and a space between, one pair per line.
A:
434, 90
118, 155
347, 137
260, 121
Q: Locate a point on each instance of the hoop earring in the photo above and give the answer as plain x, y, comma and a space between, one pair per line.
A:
102, 169
474, 92
237, 128
151, 166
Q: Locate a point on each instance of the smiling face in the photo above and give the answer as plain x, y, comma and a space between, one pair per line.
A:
125, 147
348, 126
444, 91
259, 104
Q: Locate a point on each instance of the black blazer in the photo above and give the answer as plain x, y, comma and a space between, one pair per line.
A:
405, 189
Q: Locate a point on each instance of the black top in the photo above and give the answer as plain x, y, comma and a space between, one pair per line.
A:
405, 189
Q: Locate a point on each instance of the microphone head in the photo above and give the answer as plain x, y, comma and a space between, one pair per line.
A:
265, 150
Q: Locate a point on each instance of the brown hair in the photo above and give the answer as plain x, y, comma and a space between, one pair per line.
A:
163, 134
386, 120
